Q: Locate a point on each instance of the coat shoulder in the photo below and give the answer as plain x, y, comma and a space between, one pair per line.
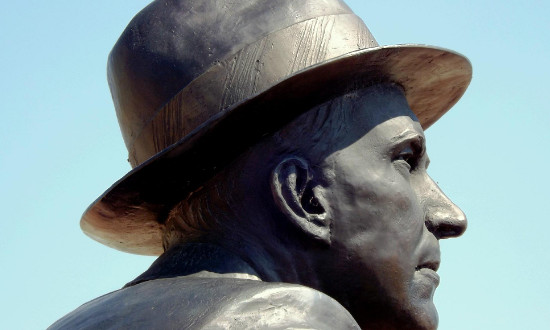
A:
191, 302
283, 306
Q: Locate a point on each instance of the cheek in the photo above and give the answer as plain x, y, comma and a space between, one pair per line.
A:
385, 199
381, 210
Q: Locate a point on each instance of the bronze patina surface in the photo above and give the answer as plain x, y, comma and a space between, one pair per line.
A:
279, 170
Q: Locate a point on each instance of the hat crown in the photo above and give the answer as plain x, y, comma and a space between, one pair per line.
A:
172, 42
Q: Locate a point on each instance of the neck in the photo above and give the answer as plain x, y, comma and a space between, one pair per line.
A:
269, 260
276, 257
190, 258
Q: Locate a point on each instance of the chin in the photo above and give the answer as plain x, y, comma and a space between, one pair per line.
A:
425, 317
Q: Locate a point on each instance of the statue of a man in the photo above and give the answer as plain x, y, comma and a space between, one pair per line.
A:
279, 170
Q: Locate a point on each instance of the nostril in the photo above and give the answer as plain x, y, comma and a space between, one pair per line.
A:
448, 230
446, 224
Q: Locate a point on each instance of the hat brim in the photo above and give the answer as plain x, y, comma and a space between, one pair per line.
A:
129, 215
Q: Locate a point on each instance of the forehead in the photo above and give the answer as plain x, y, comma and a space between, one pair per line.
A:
378, 114
341, 122
372, 106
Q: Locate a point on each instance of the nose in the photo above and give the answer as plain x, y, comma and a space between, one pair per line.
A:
443, 218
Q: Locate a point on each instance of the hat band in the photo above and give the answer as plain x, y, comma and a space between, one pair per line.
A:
247, 73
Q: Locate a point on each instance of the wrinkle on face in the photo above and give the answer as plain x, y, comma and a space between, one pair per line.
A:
380, 242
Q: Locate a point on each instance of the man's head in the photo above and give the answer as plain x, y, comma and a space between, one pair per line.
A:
197, 82
341, 196
282, 131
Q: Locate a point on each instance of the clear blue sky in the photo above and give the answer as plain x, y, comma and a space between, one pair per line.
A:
60, 148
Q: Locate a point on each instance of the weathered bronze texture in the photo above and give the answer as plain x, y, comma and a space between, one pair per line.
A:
279, 169
192, 89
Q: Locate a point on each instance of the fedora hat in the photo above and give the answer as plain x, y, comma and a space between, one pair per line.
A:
197, 82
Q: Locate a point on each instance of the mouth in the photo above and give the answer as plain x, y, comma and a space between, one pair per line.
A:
433, 265
428, 270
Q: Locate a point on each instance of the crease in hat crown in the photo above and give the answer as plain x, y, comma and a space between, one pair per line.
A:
165, 49
183, 67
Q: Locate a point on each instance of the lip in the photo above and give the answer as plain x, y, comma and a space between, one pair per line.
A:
429, 273
429, 269
432, 264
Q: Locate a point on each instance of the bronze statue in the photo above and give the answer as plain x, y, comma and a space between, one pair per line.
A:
279, 170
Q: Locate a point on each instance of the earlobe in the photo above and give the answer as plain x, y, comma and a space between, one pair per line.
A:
300, 198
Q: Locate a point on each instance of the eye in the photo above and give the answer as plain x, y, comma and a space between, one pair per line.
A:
409, 154
408, 158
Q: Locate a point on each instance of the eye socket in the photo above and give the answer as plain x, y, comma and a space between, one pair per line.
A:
408, 157
410, 153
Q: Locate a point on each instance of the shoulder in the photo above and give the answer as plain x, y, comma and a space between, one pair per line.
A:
191, 302
282, 306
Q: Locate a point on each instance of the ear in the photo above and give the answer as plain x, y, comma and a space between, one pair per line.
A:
300, 198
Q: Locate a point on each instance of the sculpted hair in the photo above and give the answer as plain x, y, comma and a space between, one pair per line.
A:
211, 211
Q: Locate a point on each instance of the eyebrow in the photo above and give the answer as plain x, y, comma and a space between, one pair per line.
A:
408, 134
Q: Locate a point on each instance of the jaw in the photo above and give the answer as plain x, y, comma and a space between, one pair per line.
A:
375, 307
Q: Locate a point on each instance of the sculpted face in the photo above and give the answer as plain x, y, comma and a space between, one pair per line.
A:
387, 216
